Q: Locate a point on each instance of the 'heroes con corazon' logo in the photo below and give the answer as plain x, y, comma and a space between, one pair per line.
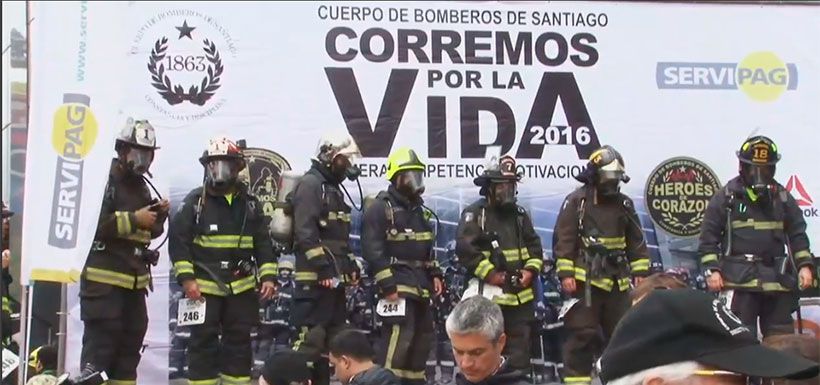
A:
677, 194
762, 76
73, 137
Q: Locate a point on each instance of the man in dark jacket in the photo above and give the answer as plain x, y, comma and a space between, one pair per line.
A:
324, 260
221, 248
748, 228
598, 245
476, 330
397, 243
117, 272
352, 357
497, 244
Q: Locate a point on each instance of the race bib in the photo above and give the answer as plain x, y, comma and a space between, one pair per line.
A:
191, 312
387, 308
10, 362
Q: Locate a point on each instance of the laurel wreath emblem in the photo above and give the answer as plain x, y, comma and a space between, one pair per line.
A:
694, 223
175, 93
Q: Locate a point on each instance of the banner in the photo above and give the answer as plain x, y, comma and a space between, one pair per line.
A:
675, 88
76, 90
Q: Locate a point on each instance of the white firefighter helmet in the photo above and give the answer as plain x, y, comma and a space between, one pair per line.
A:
332, 145
138, 133
221, 147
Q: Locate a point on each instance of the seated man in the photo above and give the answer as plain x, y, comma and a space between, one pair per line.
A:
352, 357
682, 337
476, 331
657, 281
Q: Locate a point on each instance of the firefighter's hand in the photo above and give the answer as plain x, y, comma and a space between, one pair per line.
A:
392, 297
438, 286
6, 258
497, 278
145, 218
805, 275
526, 278
164, 206
568, 283
268, 290
328, 283
638, 281
715, 281
191, 289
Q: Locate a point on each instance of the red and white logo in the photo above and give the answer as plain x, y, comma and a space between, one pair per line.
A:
795, 187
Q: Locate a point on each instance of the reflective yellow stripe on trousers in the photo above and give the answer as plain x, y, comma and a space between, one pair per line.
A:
231, 380
210, 381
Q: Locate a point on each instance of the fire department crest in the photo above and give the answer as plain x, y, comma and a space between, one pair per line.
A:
188, 54
262, 176
677, 193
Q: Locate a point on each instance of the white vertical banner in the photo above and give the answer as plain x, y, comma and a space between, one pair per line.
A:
76, 88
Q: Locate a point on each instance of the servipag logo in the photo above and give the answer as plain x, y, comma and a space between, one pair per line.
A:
762, 76
73, 137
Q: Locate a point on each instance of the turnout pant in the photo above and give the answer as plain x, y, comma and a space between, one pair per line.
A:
229, 359
518, 328
317, 320
772, 308
586, 325
406, 341
115, 321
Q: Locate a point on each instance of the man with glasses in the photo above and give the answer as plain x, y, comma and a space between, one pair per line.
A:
682, 337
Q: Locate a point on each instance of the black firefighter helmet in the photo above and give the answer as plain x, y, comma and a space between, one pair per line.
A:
499, 179
758, 157
605, 170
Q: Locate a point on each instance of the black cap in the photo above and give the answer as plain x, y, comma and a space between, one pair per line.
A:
286, 366
671, 326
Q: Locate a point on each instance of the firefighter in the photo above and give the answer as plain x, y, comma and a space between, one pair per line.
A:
117, 272
324, 262
220, 248
748, 229
598, 244
397, 243
497, 244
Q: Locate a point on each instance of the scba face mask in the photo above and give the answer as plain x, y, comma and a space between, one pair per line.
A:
504, 194
223, 173
138, 160
410, 183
